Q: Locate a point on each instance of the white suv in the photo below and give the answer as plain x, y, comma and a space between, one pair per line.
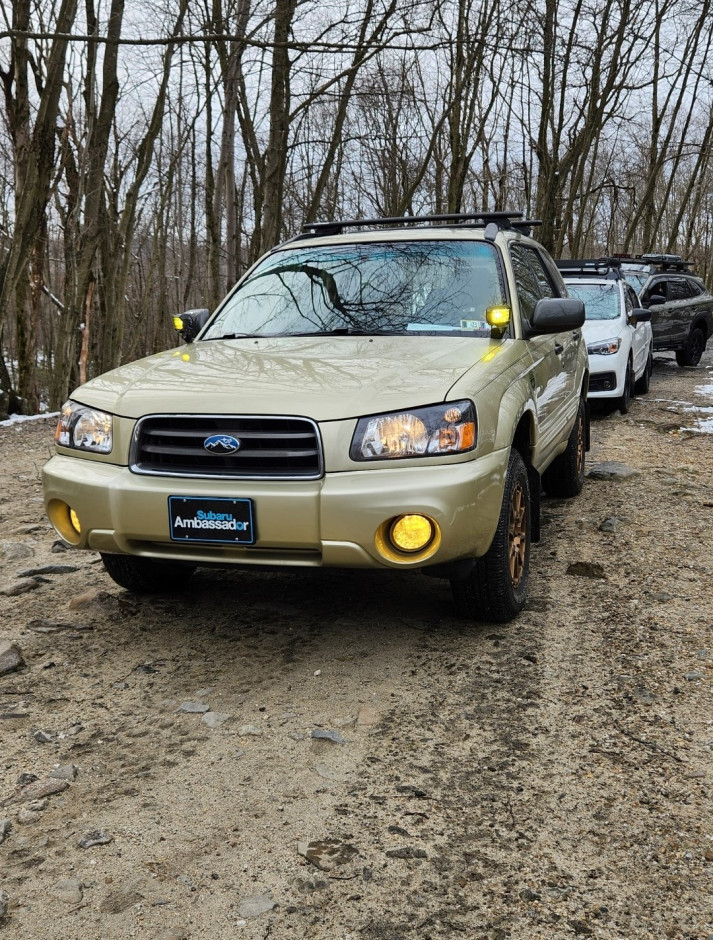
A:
617, 330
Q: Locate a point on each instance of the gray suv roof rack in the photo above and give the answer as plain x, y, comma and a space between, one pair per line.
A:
503, 220
586, 267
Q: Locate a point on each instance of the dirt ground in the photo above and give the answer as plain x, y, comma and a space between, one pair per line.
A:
333, 755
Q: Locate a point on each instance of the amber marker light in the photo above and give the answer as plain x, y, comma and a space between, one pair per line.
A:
177, 324
411, 533
498, 316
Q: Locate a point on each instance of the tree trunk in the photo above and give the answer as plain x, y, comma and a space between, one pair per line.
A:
276, 153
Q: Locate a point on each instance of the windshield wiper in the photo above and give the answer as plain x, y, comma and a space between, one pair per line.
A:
349, 331
234, 336
337, 331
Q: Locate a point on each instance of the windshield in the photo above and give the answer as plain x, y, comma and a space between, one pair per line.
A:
387, 287
601, 301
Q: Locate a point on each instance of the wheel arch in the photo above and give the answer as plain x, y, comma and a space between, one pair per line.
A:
701, 323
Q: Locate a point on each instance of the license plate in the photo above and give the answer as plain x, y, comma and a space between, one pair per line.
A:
203, 519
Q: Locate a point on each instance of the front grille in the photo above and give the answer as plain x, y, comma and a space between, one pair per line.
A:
602, 381
270, 447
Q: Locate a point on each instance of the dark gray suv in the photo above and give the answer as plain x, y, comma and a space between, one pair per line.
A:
681, 306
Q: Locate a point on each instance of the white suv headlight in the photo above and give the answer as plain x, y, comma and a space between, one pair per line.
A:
607, 347
84, 428
449, 428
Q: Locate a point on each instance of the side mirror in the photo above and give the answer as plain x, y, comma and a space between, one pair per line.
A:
655, 299
640, 315
189, 324
557, 314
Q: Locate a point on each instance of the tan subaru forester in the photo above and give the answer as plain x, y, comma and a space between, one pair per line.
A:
386, 393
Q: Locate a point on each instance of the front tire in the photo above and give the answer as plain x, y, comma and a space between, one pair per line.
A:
146, 575
565, 475
496, 588
691, 353
644, 383
625, 400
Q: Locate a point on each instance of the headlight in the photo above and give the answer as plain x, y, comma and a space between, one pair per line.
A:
84, 428
424, 432
607, 347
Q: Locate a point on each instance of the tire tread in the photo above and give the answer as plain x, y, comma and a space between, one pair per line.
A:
487, 592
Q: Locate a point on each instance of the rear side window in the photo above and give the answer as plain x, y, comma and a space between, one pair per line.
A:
695, 286
678, 289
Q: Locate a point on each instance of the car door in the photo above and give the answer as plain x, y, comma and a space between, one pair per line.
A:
640, 332
656, 288
701, 301
549, 351
667, 317
681, 309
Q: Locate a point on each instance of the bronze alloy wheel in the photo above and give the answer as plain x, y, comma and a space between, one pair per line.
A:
517, 534
581, 451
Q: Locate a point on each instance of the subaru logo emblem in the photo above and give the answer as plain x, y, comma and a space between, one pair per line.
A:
221, 444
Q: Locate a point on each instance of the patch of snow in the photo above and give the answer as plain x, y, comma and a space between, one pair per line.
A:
704, 427
20, 419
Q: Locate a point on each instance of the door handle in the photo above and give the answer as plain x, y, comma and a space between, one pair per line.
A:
575, 334
559, 348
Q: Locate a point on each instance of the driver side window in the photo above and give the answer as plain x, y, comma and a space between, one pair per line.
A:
531, 278
657, 289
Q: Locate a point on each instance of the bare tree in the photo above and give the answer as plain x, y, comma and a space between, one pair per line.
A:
34, 153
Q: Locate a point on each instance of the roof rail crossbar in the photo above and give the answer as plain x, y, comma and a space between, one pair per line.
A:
504, 220
525, 226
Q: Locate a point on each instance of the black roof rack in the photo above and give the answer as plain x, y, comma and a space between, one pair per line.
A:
667, 262
610, 267
526, 225
664, 262
503, 220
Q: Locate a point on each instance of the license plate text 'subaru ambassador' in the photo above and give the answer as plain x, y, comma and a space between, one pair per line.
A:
203, 519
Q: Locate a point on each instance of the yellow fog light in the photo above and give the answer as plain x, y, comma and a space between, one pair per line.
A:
411, 533
65, 520
498, 316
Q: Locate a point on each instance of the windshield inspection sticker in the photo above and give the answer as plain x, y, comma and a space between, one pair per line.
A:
203, 519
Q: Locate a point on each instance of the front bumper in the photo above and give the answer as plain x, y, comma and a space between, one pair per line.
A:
334, 521
607, 375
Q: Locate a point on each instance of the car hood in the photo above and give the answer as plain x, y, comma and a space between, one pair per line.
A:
598, 330
325, 378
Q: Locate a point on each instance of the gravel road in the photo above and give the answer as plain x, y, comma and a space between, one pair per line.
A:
333, 755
